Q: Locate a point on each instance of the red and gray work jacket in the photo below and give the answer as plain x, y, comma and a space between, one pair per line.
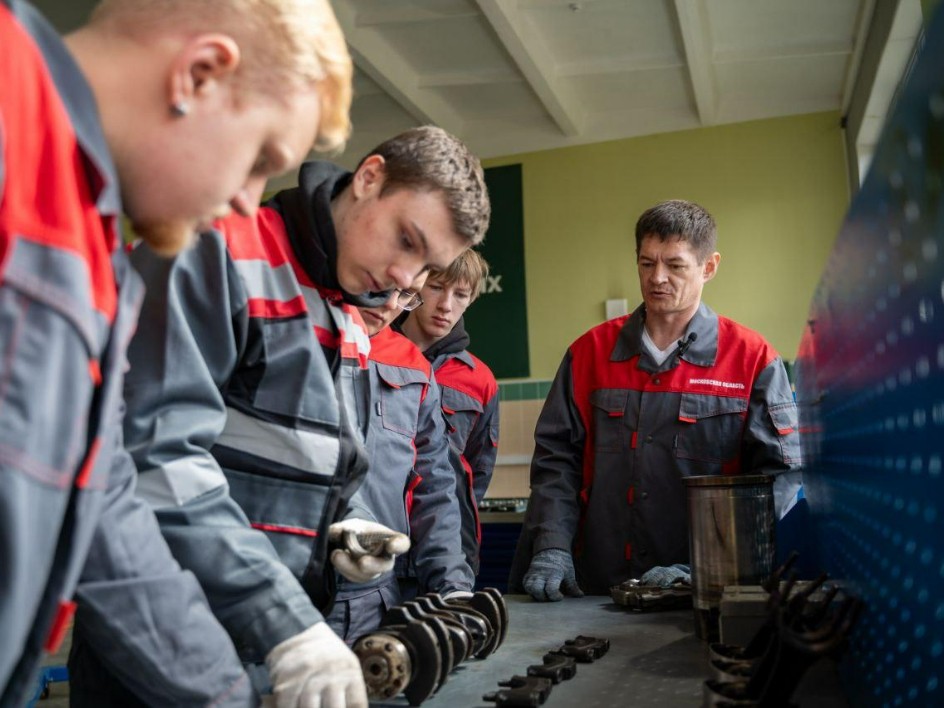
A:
470, 403
618, 433
242, 419
71, 528
411, 484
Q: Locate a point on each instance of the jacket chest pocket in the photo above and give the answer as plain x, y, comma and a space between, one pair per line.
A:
462, 411
710, 427
611, 431
401, 391
295, 379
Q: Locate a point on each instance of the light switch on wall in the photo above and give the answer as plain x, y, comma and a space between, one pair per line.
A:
616, 308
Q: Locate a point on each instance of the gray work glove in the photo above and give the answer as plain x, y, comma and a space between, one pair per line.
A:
666, 576
551, 571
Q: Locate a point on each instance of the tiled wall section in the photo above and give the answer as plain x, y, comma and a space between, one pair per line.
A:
520, 404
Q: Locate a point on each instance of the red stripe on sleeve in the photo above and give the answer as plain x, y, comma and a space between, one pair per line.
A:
81, 480
59, 626
293, 530
276, 309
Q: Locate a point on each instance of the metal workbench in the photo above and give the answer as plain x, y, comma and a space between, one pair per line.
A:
654, 658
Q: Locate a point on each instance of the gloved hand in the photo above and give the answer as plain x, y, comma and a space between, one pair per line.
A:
667, 576
364, 550
551, 571
457, 595
315, 668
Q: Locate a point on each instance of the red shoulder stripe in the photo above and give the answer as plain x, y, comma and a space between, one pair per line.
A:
46, 196
389, 347
276, 309
261, 237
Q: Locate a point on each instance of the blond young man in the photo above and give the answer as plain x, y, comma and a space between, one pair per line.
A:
469, 389
175, 112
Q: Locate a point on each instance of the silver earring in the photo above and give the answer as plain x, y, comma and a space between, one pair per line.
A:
180, 108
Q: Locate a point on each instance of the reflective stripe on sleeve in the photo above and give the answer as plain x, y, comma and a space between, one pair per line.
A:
304, 450
179, 481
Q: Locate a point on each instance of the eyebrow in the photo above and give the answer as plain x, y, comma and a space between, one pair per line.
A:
673, 260
424, 242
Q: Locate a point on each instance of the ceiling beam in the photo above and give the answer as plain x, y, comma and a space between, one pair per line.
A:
693, 24
535, 61
469, 78
397, 13
764, 54
375, 56
623, 65
863, 21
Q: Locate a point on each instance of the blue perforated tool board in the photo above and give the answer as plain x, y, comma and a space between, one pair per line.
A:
870, 385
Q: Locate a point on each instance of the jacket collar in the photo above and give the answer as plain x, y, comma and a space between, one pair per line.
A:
80, 104
703, 350
456, 342
306, 210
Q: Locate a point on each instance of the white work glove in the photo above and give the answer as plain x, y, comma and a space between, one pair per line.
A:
315, 669
364, 550
457, 595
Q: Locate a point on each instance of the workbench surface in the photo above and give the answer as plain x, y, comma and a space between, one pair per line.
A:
654, 658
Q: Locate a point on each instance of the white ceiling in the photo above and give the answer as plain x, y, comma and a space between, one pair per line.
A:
511, 76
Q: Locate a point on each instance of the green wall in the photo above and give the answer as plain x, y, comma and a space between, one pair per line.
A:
927, 8
777, 189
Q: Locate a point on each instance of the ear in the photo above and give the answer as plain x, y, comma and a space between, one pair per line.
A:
710, 269
201, 65
369, 177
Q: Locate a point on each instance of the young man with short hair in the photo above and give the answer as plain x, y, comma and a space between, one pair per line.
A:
469, 389
249, 440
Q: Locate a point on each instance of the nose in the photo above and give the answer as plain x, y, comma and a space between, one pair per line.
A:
247, 199
402, 275
391, 302
660, 273
444, 304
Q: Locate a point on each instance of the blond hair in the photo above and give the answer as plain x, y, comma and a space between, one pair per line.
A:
285, 44
469, 268
429, 158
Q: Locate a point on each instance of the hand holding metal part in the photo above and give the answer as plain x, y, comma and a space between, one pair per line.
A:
364, 550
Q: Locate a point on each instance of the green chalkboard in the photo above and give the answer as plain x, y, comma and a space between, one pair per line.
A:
498, 321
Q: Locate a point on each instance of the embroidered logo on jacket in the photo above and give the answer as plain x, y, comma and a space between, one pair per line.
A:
715, 382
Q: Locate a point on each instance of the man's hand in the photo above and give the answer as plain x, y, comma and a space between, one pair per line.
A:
667, 576
551, 571
316, 668
364, 550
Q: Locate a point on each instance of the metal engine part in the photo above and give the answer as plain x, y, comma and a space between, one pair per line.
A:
556, 667
520, 692
482, 631
651, 597
381, 662
421, 641
386, 664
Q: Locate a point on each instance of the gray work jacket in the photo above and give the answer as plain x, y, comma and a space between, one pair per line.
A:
237, 422
410, 486
618, 433
71, 529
